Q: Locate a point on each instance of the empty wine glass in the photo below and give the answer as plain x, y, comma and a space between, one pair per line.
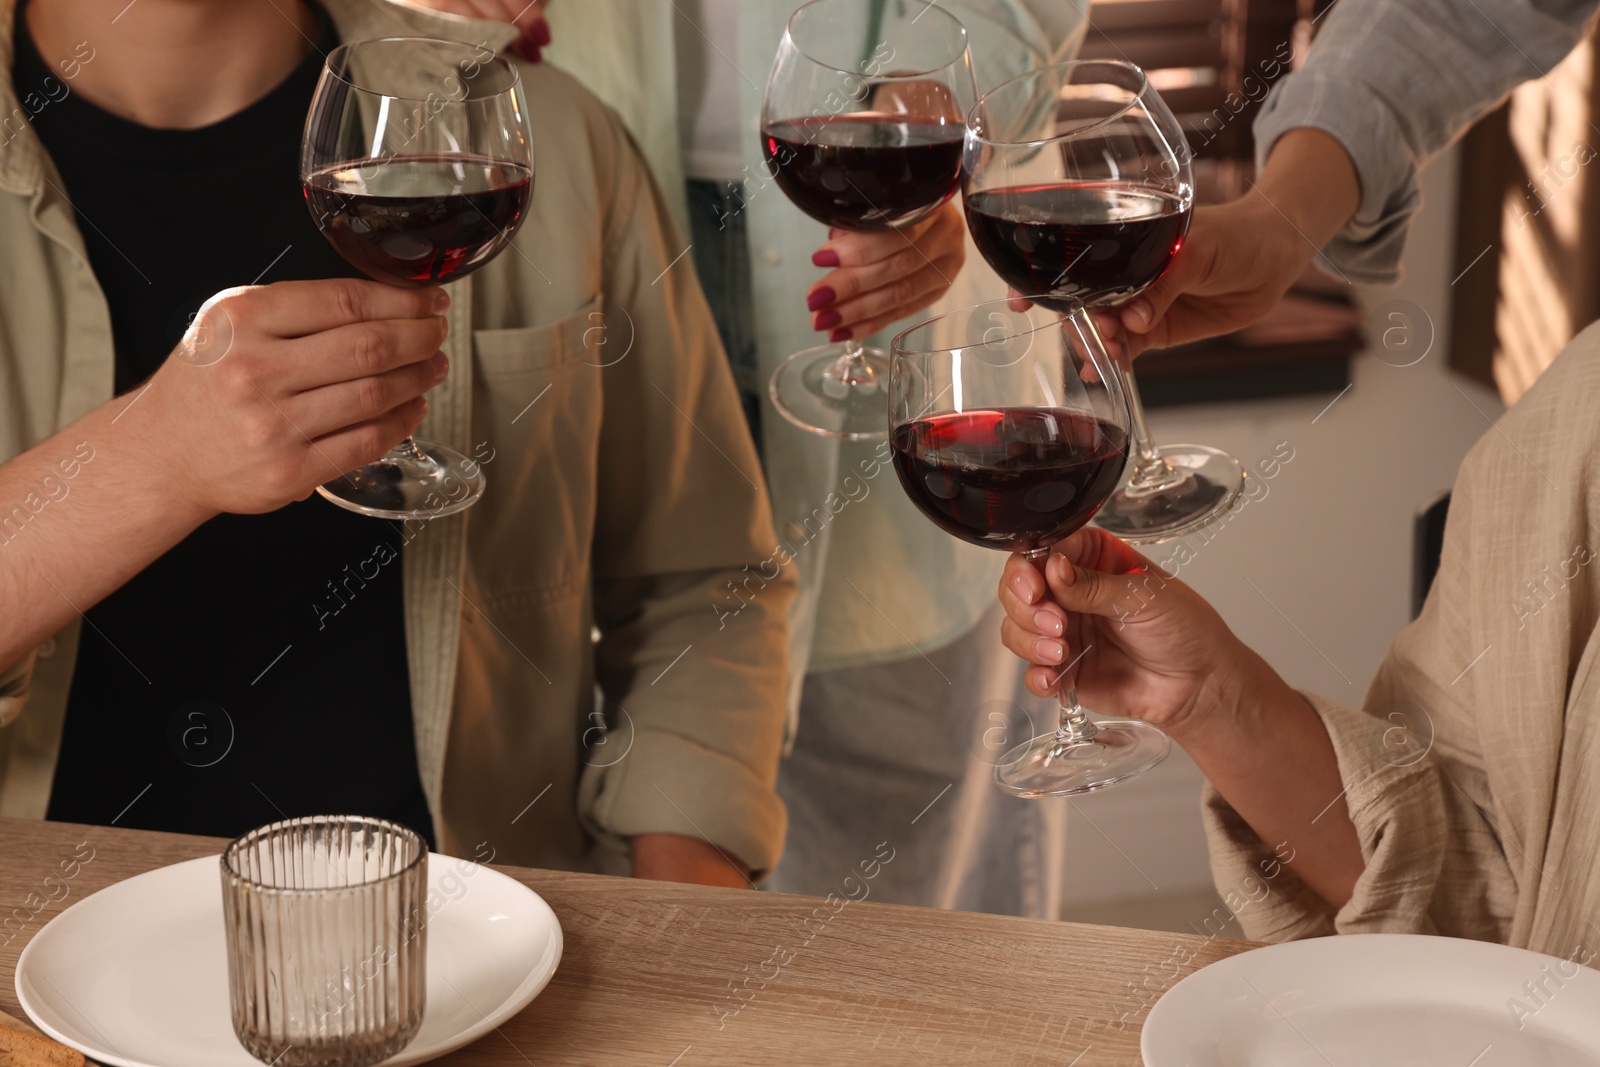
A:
1009, 430
862, 126
417, 165
1077, 186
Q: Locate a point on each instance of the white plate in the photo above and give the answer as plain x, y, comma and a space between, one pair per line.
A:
136, 974
1379, 1000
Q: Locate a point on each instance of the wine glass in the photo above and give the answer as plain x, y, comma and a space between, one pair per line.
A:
1010, 430
862, 126
1076, 184
417, 165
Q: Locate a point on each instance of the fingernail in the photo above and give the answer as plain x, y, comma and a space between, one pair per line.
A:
826, 320
1059, 568
441, 301
1047, 623
839, 335
440, 364
1049, 650
821, 298
541, 32
1136, 316
825, 257
1023, 587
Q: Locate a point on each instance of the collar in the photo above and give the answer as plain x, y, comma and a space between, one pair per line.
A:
22, 156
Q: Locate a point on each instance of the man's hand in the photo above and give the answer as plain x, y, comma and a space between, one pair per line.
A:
1240, 258
674, 858
279, 388
526, 15
885, 277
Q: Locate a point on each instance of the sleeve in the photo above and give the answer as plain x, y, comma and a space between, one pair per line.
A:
690, 604
1395, 82
1415, 786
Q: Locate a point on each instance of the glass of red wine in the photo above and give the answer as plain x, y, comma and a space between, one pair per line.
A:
1009, 429
1077, 186
862, 127
417, 166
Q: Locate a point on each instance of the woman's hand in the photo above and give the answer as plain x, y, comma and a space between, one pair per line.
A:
526, 15
1155, 649
885, 277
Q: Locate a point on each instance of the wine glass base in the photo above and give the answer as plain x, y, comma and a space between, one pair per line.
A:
1209, 481
1120, 749
805, 392
398, 486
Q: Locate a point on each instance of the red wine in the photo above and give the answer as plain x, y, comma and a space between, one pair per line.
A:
1098, 242
1011, 478
865, 171
419, 220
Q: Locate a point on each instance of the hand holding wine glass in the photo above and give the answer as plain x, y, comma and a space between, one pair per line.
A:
1010, 430
277, 387
861, 126
883, 278
1077, 187
1161, 653
417, 166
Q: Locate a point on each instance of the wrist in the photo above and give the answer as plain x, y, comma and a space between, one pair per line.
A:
1231, 700
1309, 184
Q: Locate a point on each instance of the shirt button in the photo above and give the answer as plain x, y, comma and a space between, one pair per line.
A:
772, 257
47, 649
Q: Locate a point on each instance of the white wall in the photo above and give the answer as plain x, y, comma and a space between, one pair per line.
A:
1329, 546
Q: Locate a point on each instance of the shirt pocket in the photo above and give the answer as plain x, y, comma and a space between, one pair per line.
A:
526, 350
537, 403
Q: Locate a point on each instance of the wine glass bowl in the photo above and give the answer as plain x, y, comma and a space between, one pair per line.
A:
417, 166
1076, 186
1009, 429
861, 127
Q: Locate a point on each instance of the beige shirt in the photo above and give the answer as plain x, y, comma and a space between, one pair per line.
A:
623, 494
1472, 773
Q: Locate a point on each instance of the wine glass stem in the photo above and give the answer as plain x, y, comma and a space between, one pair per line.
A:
1151, 473
408, 448
851, 368
1074, 726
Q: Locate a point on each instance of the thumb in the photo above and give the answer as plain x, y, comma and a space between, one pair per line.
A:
1094, 573
1145, 316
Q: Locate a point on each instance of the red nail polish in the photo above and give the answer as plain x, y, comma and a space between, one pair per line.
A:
840, 335
821, 298
825, 257
541, 33
826, 320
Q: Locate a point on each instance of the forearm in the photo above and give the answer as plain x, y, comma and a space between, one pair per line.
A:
80, 514
1267, 752
1310, 181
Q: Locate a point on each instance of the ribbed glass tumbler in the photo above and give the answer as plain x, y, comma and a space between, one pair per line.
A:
327, 940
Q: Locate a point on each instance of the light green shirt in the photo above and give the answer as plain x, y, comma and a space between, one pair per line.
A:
879, 582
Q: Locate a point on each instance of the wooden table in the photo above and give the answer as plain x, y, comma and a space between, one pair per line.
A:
662, 975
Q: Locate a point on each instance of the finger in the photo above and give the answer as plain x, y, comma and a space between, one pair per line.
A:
1043, 619
1030, 647
867, 314
344, 404
849, 248
302, 308
1094, 573
1041, 681
847, 283
348, 353
356, 446
1144, 316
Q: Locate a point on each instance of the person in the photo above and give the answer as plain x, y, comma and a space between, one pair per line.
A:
193, 642
1457, 800
902, 700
